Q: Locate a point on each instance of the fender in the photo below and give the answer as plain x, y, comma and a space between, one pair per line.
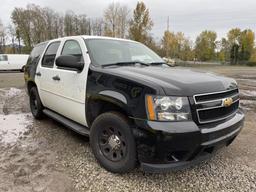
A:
120, 91
112, 97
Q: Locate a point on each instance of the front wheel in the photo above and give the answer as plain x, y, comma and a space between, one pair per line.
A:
113, 143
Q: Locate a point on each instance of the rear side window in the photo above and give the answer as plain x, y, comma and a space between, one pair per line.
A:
3, 58
50, 54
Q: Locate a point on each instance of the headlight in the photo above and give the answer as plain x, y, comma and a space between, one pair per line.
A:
165, 108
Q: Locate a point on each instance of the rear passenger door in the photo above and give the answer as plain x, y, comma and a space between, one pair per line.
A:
44, 76
71, 91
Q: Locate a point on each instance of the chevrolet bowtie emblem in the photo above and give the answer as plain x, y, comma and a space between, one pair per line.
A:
227, 102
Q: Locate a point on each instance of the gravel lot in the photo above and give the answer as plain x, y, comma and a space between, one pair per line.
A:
45, 156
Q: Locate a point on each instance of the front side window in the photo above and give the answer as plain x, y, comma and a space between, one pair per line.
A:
108, 51
3, 58
50, 54
72, 47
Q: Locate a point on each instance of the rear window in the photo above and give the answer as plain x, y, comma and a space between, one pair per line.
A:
3, 58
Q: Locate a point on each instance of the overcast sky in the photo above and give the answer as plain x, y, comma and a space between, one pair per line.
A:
188, 16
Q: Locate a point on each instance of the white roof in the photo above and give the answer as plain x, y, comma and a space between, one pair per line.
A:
103, 37
92, 37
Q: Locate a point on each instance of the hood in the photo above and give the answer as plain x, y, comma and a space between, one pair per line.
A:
175, 81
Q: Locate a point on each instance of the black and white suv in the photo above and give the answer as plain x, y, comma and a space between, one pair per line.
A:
136, 109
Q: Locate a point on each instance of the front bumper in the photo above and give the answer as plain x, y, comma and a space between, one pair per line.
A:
164, 146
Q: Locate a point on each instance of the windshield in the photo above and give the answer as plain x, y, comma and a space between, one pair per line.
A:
108, 51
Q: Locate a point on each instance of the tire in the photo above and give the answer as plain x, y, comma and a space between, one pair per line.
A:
22, 69
104, 131
36, 106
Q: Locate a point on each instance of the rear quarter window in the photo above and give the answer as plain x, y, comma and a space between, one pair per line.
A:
33, 60
36, 54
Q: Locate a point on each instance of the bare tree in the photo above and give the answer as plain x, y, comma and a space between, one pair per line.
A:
50, 21
76, 24
68, 23
116, 20
123, 21
110, 19
60, 29
19, 40
2, 37
97, 26
1, 31
38, 24
84, 25
12, 34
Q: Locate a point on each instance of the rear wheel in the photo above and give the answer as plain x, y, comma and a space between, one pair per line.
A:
22, 69
113, 143
36, 106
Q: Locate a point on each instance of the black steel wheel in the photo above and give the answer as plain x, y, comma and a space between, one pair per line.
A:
113, 143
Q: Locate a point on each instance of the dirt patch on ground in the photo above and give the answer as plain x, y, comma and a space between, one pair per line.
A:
27, 161
45, 156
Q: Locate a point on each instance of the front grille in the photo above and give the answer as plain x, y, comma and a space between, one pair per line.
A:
210, 107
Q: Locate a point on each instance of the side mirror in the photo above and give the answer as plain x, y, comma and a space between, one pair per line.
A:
69, 62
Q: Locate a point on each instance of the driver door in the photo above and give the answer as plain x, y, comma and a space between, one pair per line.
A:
71, 91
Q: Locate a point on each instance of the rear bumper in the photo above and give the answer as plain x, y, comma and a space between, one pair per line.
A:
164, 146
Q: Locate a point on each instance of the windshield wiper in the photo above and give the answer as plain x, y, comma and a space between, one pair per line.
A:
125, 63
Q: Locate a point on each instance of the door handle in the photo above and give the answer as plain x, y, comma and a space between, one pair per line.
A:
38, 74
56, 78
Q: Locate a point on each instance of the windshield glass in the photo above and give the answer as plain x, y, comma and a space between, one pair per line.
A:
108, 51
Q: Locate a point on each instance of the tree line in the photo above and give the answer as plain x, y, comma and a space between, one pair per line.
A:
35, 24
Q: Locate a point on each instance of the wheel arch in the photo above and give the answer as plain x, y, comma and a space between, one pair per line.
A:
103, 103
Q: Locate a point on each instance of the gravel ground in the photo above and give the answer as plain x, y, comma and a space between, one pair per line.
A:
45, 156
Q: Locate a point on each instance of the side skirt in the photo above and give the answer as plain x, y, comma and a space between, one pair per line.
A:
67, 122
